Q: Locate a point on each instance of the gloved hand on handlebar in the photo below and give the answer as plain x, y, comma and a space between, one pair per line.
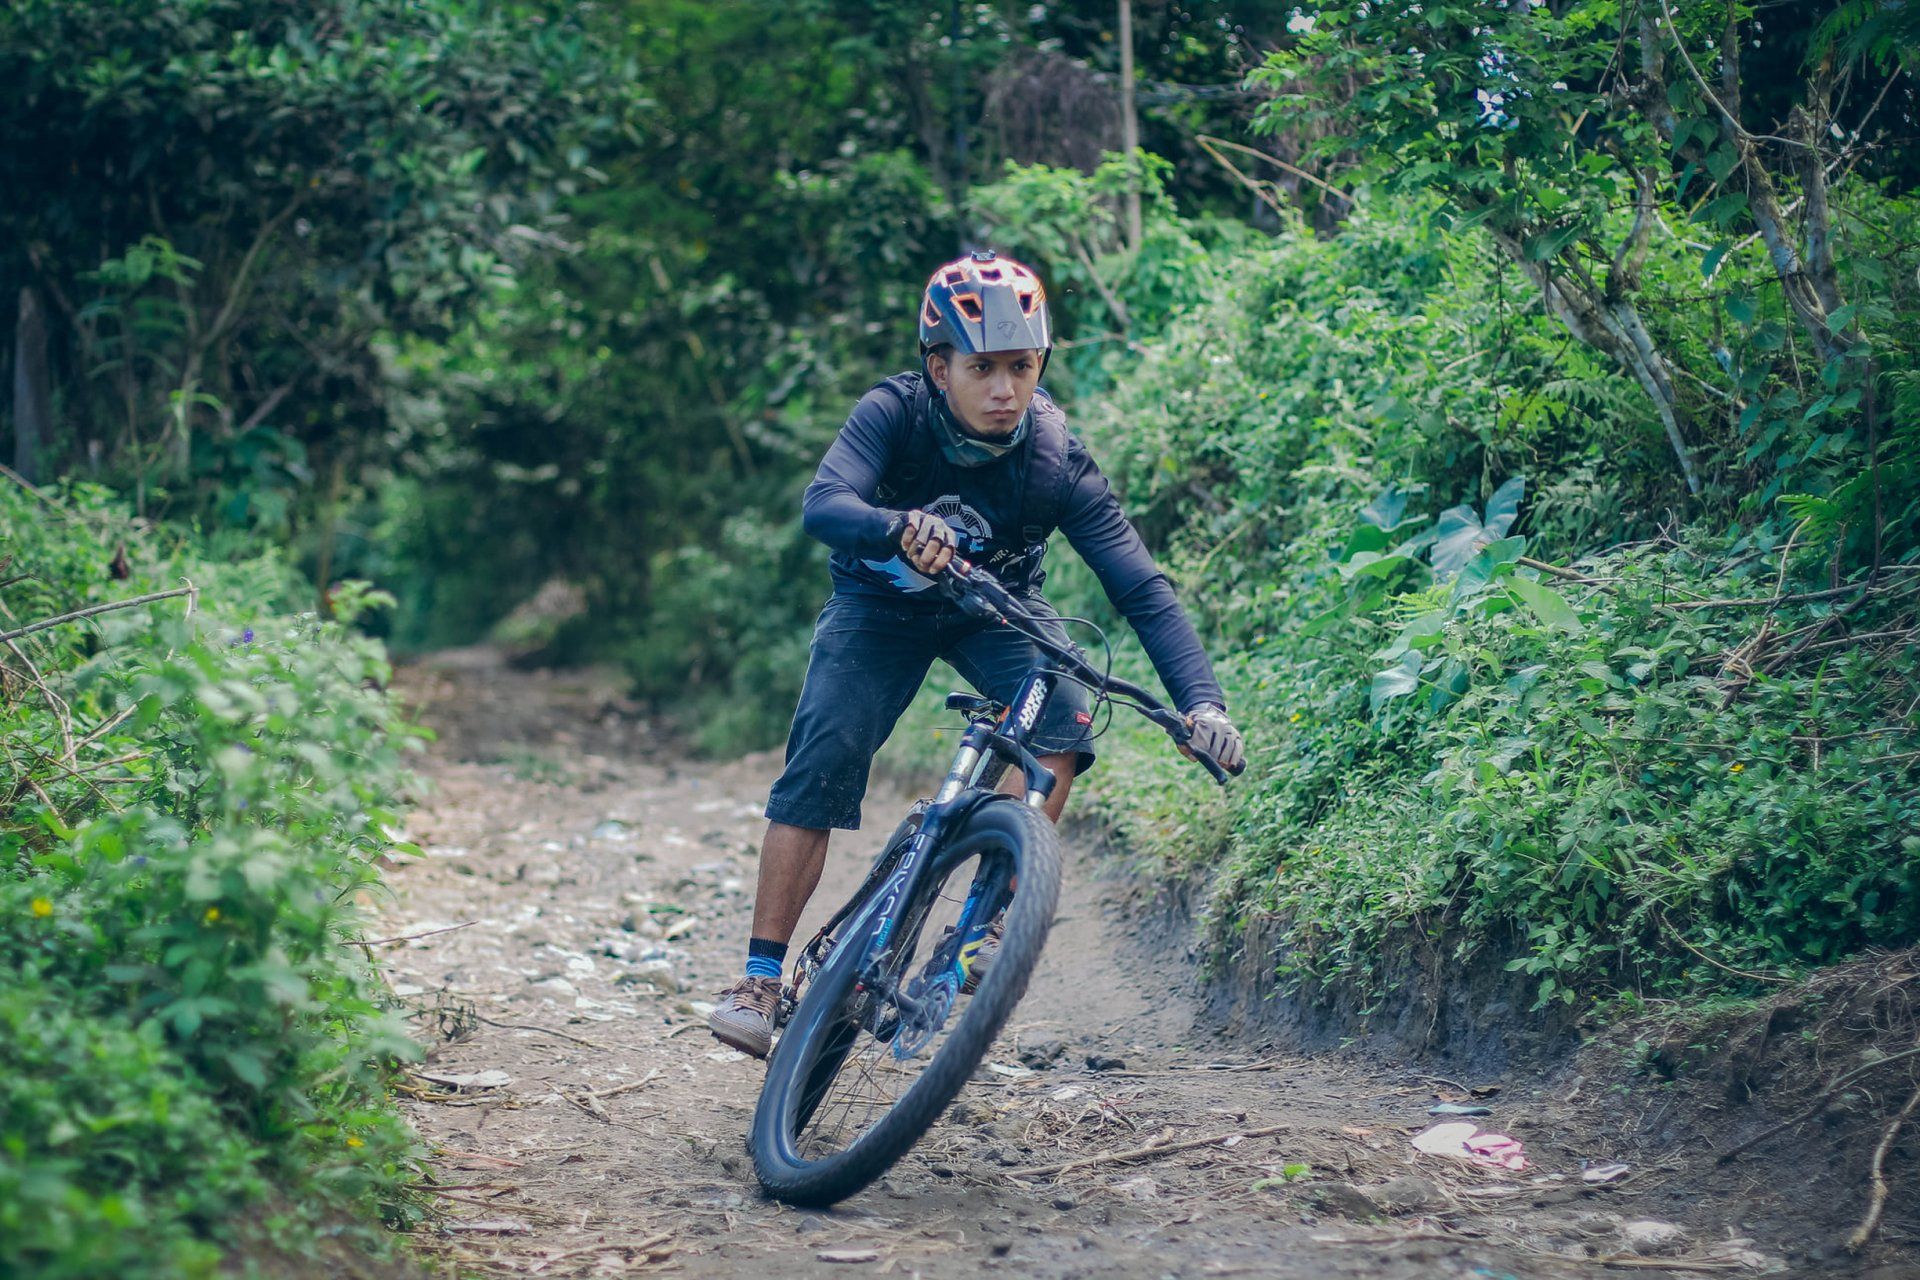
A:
1214, 735
928, 541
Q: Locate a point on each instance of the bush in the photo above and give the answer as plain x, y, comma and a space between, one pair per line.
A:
1455, 748
195, 804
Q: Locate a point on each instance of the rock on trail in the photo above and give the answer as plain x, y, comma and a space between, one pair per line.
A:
584, 1123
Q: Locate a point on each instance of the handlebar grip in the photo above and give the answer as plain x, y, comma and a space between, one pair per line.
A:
1214, 766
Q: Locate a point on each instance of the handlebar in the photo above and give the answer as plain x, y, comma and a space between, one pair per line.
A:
982, 596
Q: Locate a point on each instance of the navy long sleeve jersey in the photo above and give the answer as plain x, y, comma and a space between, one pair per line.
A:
984, 506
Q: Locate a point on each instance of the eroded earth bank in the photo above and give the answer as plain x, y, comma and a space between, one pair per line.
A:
585, 892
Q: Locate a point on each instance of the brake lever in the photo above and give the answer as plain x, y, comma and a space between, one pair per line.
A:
1182, 734
972, 590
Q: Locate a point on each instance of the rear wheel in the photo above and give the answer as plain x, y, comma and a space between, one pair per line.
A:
879, 1046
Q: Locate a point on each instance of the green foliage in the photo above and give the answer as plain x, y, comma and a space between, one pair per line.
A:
1586, 140
1454, 749
222, 203
193, 805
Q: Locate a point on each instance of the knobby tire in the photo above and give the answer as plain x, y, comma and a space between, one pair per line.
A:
823, 1032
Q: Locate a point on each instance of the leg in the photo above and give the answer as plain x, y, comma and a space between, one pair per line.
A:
867, 661
791, 860
1061, 765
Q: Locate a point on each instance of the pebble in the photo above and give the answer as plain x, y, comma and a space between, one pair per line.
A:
1405, 1194
848, 1255
1650, 1236
1042, 1054
1340, 1198
657, 974
642, 923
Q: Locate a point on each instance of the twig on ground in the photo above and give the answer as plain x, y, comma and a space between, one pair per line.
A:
649, 1245
1813, 1108
587, 1103
409, 937
1451, 1084
1149, 1152
1878, 1202
522, 1026
497, 1188
485, 1202
1629, 1262
1264, 1064
1396, 1238
628, 1087
450, 1154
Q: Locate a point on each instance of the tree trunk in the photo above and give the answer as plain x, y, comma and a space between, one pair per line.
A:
1613, 326
1129, 125
32, 399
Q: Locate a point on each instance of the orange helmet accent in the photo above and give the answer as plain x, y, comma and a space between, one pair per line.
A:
984, 302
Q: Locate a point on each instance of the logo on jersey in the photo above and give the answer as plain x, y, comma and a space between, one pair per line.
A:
969, 527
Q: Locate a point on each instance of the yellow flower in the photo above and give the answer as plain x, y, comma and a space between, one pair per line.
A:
1736, 768
1294, 718
355, 1142
42, 908
213, 915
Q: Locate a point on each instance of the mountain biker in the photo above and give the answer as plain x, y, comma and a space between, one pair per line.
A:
967, 456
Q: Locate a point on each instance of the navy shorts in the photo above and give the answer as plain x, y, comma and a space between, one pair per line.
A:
870, 656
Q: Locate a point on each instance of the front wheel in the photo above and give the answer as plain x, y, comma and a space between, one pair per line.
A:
879, 1045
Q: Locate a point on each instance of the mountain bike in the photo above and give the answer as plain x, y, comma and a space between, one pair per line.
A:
884, 1019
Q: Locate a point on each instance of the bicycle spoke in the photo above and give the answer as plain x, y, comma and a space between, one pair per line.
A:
869, 1079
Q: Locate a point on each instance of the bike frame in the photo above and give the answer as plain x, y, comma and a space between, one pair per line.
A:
996, 740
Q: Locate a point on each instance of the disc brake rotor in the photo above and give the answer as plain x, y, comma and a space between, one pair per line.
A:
917, 1030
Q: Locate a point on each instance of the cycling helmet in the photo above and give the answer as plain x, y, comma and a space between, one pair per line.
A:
984, 302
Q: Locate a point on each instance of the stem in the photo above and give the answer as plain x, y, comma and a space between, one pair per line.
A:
91, 610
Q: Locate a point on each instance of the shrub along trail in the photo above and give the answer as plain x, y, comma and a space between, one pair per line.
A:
583, 1122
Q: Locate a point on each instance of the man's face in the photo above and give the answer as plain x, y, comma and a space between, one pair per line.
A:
990, 391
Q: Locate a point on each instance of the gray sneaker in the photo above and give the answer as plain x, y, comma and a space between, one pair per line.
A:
746, 1016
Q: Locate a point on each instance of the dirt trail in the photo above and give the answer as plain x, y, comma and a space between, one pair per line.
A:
586, 1124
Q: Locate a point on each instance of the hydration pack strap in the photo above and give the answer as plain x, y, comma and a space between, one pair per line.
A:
1043, 500
903, 472
1043, 497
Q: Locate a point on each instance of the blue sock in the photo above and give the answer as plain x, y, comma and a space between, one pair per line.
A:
765, 959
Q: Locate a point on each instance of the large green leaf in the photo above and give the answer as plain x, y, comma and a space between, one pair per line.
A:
1455, 537
1388, 510
1396, 681
1547, 604
1460, 532
1489, 564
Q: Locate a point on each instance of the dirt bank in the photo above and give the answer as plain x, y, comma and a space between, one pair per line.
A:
583, 892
